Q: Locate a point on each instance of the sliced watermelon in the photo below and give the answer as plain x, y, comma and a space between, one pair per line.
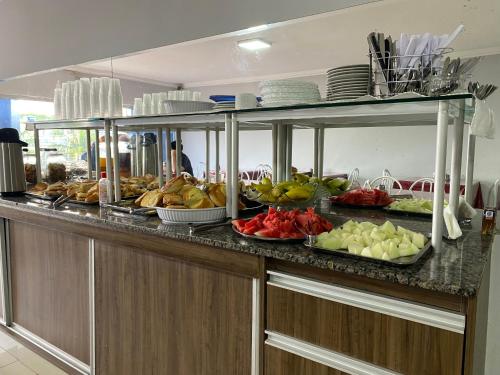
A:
271, 233
239, 224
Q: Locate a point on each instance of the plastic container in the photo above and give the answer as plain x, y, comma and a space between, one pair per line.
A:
104, 190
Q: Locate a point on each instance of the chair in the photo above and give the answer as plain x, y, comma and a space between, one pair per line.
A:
423, 181
245, 177
263, 170
353, 177
384, 183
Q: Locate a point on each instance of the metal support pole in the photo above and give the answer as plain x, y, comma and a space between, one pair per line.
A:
116, 165
38, 161
229, 160
469, 171
139, 156
440, 170
217, 155
159, 138
275, 152
281, 153
178, 152
89, 154
97, 156
109, 169
315, 152
169, 154
207, 155
321, 151
289, 148
235, 187
456, 158
5, 281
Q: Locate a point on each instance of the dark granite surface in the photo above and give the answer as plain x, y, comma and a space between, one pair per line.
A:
456, 269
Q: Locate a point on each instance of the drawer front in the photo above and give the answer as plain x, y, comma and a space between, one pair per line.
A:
331, 318
280, 362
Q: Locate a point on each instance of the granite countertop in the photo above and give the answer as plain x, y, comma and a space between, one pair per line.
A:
456, 269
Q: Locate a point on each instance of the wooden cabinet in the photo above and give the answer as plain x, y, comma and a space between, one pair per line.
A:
50, 286
158, 315
391, 334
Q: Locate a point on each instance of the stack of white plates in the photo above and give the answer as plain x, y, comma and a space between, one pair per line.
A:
224, 105
288, 92
347, 82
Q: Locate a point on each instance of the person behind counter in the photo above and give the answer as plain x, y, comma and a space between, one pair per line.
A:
185, 163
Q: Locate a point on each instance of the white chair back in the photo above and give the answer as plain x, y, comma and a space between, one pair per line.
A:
353, 177
423, 181
263, 170
387, 182
245, 177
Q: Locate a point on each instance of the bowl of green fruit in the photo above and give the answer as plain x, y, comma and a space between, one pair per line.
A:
300, 192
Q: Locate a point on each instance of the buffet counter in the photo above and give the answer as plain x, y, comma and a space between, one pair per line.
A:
108, 294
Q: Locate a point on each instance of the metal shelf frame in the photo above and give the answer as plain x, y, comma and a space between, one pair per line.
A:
282, 121
89, 125
384, 113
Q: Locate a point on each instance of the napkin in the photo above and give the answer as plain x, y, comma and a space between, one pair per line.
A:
483, 122
465, 210
451, 223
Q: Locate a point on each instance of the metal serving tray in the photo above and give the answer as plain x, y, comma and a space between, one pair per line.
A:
408, 213
400, 262
268, 239
129, 207
44, 197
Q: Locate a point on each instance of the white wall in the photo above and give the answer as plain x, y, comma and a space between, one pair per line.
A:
41, 35
406, 152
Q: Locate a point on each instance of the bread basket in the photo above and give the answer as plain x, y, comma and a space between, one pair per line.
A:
191, 216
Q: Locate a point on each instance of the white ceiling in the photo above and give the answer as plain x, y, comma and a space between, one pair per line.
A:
311, 45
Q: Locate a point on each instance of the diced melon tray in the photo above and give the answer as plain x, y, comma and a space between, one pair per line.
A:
382, 243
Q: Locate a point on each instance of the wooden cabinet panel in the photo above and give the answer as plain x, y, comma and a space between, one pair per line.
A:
156, 315
279, 362
50, 286
389, 342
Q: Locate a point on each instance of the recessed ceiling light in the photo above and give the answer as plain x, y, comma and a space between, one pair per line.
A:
253, 44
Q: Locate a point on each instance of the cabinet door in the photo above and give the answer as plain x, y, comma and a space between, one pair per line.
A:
50, 286
157, 315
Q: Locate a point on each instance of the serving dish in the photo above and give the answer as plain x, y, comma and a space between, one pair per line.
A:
191, 216
401, 261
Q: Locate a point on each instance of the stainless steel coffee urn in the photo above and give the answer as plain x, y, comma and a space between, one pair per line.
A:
12, 177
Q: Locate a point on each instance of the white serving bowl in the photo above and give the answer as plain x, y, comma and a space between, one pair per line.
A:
185, 106
191, 216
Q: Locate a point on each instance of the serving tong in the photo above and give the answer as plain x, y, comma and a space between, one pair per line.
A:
60, 201
481, 91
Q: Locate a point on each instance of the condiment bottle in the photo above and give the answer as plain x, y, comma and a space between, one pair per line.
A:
489, 221
104, 189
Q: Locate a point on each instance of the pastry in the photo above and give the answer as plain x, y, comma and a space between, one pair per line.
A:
41, 186
174, 185
172, 199
151, 198
217, 194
